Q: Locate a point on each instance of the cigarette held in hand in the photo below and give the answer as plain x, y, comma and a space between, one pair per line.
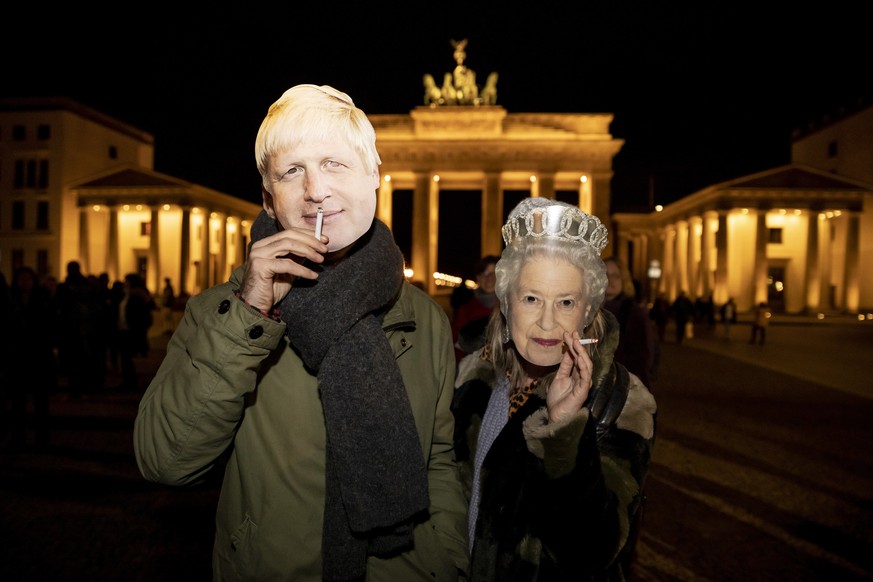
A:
319, 220
588, 340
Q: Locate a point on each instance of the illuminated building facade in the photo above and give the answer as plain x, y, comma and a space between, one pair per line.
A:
78, 185
793, 236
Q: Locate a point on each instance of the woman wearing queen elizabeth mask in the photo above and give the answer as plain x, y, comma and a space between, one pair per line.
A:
555, 438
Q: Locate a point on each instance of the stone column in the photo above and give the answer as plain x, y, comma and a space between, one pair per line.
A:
705, 255
421, 235
813, 282
433, 201
221, 275
492, 215
185, 251
205, 251
585, 202
153, 272
674, 282
851, 292
84, 241
694, 287
760, 270
385, 201
112, 245
680, 268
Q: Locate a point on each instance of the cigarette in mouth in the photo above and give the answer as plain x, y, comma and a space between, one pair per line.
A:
319, 220
588, 340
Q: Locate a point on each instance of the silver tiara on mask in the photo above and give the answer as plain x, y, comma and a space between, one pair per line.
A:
542, 217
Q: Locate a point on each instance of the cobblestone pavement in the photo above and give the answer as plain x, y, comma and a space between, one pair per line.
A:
79, 509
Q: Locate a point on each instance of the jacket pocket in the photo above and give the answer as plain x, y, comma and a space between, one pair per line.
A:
242, 548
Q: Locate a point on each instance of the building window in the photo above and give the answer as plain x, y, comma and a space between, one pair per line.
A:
775, 235
113, 153
42, 215
145, 228
832, 149
18, 215
43, 132
31, 174
19, 133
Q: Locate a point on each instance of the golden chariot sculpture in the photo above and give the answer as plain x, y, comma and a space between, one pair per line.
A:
459, 87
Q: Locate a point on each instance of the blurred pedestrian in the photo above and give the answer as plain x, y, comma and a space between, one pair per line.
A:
134, 320
728, 313
660, 314
682, 311
168, 300
555, 436
30, 367
471, 317
760, 323
636, 341
81, 341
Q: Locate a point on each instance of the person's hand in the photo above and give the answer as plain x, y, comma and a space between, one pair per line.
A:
569, 389
275, 262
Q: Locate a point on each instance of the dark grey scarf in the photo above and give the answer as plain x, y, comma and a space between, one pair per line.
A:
376, 480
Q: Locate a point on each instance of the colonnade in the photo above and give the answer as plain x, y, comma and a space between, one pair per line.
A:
731, 252
426, 187
194, 246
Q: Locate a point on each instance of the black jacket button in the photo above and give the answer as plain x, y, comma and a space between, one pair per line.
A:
256, 332
224, 306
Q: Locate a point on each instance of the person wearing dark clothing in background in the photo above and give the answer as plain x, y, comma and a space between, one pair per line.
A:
471, 317
683, 313
660, 314
760, 323
134, 321
82, 358
168, 299
728, 314
636, 341
29, 354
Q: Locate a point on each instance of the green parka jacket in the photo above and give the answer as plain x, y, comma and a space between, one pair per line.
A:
230, 383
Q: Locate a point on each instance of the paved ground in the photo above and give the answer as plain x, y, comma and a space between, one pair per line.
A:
80, 510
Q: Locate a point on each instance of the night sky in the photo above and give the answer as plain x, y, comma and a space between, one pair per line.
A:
700, 94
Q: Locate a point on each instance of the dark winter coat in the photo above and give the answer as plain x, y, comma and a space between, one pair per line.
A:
559, 501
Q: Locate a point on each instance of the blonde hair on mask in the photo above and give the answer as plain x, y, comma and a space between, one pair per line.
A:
314, 113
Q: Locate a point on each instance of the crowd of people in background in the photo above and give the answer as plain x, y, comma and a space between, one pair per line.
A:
73, 336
